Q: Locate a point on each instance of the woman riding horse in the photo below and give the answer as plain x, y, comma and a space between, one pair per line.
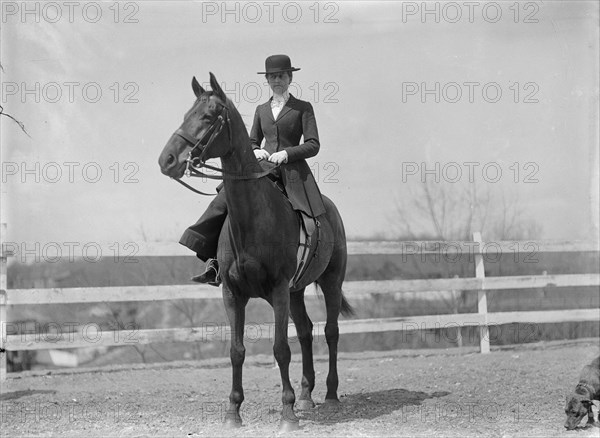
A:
282, 121
261, 236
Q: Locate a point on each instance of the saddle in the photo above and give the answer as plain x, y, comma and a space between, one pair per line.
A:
308, 239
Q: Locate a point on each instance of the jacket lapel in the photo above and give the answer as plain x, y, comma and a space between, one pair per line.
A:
283, 112
286, 108
268, 110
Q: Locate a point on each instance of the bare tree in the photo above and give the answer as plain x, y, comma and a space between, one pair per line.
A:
453, 211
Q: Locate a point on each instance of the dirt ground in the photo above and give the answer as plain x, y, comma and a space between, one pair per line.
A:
513, 391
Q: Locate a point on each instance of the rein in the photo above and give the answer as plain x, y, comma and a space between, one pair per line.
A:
195, 164
194, 170
186, 185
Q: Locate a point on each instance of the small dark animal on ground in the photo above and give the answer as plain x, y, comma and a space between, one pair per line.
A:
587, 390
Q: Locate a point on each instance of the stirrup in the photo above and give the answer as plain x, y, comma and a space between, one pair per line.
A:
211, 275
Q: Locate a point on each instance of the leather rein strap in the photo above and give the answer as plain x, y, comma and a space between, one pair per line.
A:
187, 186
194, 170
194, 164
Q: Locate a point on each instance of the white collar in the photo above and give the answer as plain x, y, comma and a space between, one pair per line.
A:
281, 98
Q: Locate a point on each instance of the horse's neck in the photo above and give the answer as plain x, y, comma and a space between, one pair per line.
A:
245, 197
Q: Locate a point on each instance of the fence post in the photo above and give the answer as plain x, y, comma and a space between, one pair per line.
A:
484, 331
3, 284
455, 308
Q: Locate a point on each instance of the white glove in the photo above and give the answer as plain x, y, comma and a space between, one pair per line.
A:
279, 157
261, 154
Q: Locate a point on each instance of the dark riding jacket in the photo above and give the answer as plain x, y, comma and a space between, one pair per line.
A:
296, 120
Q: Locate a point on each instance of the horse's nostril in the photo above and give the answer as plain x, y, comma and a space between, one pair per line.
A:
170, 160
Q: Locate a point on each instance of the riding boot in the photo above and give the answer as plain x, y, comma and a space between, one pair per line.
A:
210, 275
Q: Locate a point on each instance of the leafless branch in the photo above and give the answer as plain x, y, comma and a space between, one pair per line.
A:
454, 211
21, 124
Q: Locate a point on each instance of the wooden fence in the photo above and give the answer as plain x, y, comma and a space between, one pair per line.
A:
353, 290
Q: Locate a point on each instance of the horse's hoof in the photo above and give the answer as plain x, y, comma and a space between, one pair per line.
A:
305, 405
232, 423
289, 426
330, 404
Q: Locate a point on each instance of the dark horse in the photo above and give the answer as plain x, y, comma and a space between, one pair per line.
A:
258, 247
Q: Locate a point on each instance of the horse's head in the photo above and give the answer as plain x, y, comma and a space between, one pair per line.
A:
203, 133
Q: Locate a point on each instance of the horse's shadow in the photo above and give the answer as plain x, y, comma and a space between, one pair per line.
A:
368, 405
18, 394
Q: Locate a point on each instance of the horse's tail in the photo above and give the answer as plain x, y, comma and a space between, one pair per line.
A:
347, 309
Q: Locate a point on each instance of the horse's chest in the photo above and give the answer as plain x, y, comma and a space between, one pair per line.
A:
256, 278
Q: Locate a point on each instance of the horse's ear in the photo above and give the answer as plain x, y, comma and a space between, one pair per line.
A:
214, 84
198, 90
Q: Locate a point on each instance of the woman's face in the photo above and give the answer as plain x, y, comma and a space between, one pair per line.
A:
279, 82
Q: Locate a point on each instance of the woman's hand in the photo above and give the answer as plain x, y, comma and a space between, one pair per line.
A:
279, 157
261, 154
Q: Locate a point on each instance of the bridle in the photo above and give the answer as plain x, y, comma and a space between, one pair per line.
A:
194, 164
206, 140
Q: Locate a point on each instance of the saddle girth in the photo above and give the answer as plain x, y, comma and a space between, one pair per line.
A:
307, 247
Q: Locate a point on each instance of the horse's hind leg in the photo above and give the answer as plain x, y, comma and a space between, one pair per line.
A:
332, 291
304, 328
235, 308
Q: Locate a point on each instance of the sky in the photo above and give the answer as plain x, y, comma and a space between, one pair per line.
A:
401, 94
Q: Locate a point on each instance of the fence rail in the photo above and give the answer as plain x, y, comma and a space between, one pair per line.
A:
354, 290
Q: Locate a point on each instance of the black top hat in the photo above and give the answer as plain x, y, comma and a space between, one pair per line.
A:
278, 64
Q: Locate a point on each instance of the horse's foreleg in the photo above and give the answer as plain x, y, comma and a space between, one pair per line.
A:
283, 355
235, 308
304, 328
